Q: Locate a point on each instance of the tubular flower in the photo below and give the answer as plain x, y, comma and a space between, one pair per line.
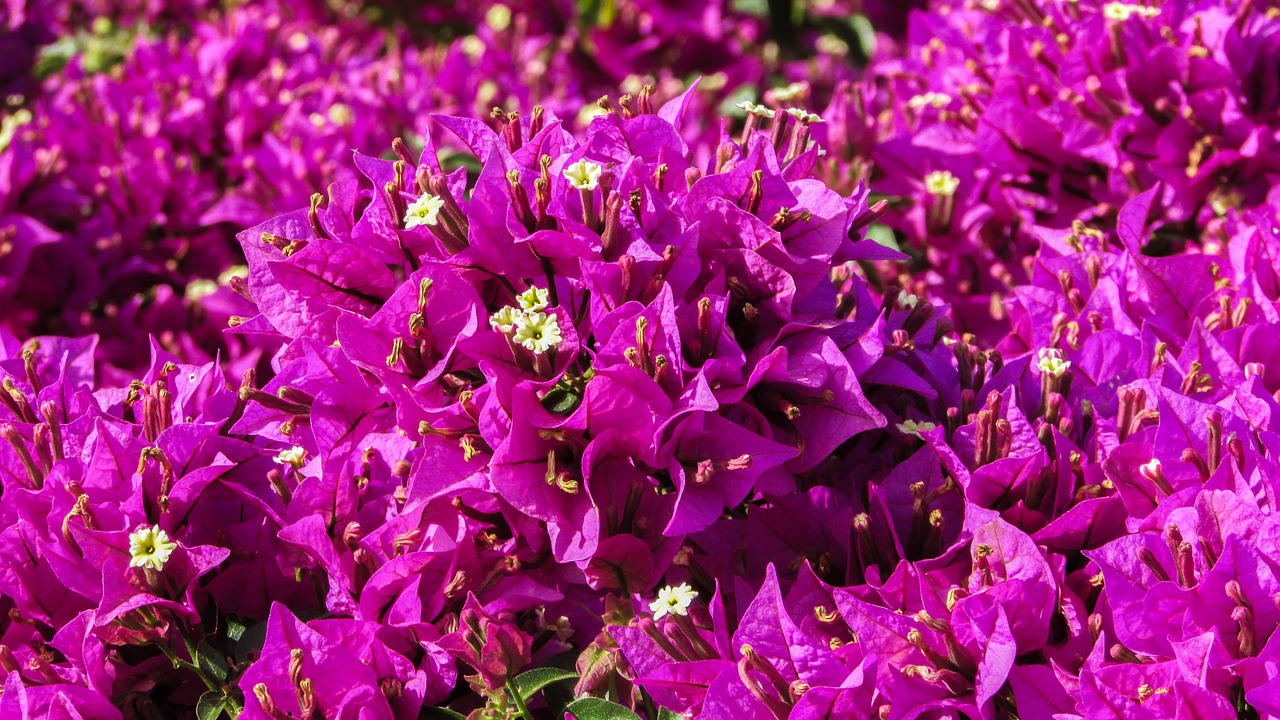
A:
673, 601
1052, 363
537, 331
150, 547
533, 300
505, 319
294, 457
941, 183
584, 174
423, 211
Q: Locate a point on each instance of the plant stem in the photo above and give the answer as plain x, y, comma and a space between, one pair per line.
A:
518, 699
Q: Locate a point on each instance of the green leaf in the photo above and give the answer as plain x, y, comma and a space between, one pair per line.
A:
759, 8
665, 714
530, 683
451, 160
211, 705
55, 56
567, 394
561, 401
442, 713
251, 640
883, 235
865, 33
744, 93
234, 702
896, 202
597, 709
597, 13
236, 627
211, 661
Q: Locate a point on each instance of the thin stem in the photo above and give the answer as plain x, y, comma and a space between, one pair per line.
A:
179, 663
518, 699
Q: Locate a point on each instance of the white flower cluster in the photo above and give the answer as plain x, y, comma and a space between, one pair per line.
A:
1052, 363
1120, 12
530, 325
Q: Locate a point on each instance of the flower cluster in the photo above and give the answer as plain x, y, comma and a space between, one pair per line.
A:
123, 186
128, 174
1080, 530
593, 348
503, 406
951, 399
992, 118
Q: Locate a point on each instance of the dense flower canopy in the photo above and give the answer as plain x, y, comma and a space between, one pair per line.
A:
636, 359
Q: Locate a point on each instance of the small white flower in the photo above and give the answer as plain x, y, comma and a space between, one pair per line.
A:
803, 116
294, 456
753, 109
498, 17
931, 99
941, 183
472, 47
907, 301
200, 289
424, 211
534, 299
584, 174
538, 332
341, 114
791, 92
150, 547
911, 427
505, 319
1051, 363
673, 600
240, 271
1120, 12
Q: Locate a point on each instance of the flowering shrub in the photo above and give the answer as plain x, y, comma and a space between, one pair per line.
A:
228, 119
634, 408
993, 118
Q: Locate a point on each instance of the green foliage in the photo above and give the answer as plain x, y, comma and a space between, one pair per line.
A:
567, 394
211, 661
100, 48
883, 234
530, 683
211, 706
596, 709
597, 13
442, 713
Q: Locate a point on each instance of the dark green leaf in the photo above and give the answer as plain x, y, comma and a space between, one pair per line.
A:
865, 32
211, 705
597, 709
665, 714
211, 661
532, 682
251, 641
561, 401
441, 713
597, 13
567, 394
452, 160
236, 627
54, 57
